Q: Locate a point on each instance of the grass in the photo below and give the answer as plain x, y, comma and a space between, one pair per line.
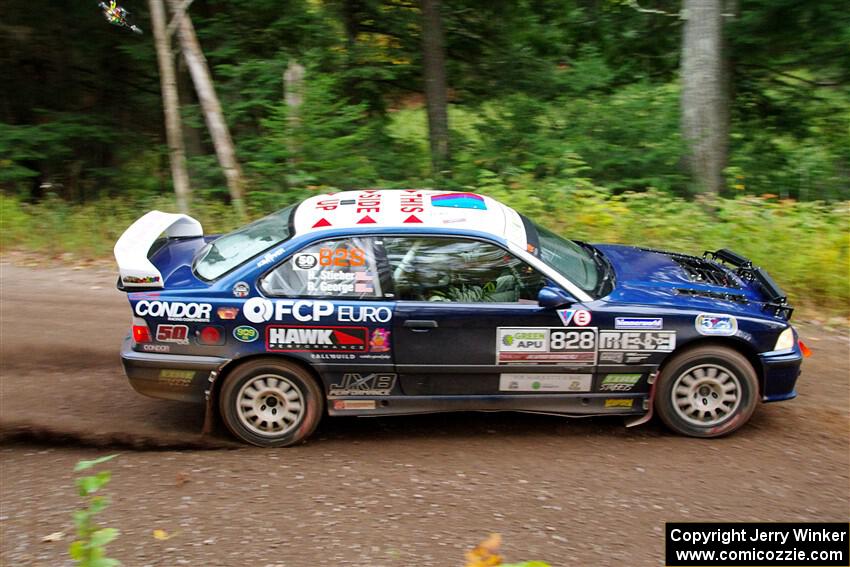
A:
804, 246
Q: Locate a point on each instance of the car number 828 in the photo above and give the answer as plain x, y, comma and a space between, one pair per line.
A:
572, 340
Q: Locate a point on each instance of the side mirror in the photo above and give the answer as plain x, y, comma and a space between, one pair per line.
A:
551, 296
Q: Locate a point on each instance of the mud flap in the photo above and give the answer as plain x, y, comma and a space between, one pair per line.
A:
640, 420
209, 402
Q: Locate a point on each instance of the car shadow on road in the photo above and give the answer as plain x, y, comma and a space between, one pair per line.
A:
477, 425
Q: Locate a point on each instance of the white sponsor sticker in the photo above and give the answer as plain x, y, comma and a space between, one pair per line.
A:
270, 257
241, 289
637, 341
305, 261
260, 310
536, 345
545, 382
638, 323
566, 316
174, 310
582, 318
719, 325
523, 340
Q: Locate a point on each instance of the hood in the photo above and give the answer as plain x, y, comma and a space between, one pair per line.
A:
655, 276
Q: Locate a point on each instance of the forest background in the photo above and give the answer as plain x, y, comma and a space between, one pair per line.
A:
690, 125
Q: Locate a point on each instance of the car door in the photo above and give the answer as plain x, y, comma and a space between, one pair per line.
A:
333, 309
468, 322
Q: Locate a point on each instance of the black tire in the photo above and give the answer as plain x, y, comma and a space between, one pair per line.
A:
693, 392
282, 406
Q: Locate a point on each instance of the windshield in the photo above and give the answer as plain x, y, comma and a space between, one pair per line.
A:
568, 258
225, 253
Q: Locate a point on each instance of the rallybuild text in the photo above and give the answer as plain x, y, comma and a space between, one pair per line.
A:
758, 544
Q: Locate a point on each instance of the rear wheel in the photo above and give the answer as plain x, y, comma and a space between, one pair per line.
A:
270, 403
708, 391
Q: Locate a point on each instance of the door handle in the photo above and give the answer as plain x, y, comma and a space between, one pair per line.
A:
420, 325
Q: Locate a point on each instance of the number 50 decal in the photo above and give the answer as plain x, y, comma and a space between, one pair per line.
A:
572, 340
172, 334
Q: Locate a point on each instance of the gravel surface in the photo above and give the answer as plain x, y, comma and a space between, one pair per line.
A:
380, 491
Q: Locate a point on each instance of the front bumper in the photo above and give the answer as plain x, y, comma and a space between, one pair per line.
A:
780, 370
168, 376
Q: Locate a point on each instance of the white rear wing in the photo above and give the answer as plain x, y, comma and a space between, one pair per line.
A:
131, 250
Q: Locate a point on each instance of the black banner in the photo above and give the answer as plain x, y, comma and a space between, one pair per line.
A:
754, 544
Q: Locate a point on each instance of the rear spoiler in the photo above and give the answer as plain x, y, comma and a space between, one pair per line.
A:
776, 298
135, 270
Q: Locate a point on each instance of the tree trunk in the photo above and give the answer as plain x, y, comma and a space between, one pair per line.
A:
191, 135
171, 104
219, 132
705, 94
434, 63
293, 94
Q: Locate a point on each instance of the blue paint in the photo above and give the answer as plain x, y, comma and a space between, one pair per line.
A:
459, 201
652, 292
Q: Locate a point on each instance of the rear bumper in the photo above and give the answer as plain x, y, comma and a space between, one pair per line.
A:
168, 376
780, 370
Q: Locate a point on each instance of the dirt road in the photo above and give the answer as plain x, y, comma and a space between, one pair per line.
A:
391, 491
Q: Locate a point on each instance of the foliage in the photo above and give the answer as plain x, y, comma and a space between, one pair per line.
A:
89, 549
534, 87
54, 226
567, 110
627, 140
804, 245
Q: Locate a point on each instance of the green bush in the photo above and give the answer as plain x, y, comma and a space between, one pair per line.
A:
89, 549
804, 245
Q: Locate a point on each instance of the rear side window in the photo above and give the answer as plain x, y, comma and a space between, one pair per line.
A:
345, 267
459, 270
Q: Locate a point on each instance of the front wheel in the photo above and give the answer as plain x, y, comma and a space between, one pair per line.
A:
270, 403
708, 391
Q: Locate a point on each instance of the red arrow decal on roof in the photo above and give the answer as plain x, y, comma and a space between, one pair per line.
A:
412, 218
321, 222
366, 220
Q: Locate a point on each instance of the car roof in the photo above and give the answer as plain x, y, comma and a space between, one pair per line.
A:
410, 208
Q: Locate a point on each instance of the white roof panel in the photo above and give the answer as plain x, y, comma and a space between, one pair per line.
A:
410, 208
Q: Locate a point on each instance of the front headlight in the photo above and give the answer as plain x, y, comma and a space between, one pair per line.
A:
785, 340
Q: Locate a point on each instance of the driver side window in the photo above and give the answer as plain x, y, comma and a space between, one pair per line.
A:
459, 270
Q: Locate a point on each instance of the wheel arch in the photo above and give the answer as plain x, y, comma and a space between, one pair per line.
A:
736, 344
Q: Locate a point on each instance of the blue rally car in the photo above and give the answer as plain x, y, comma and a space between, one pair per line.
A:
397, 302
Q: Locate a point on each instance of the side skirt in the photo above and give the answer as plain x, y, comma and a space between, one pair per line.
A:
578, 405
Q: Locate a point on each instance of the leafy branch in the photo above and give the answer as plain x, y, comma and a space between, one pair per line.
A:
88, 550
